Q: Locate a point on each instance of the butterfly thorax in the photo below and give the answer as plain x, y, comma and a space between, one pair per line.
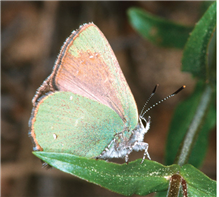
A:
139, 131
121, 146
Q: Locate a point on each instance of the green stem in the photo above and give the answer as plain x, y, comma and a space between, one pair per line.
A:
194, 128
174, 186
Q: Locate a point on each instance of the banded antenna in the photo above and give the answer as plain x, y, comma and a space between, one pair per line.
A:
161, 101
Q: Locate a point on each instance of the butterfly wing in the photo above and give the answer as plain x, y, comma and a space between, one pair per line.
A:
87, 66
65, 122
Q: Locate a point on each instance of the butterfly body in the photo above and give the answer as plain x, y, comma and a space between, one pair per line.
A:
121, 147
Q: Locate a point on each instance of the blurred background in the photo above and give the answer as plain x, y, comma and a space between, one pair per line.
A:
32, 35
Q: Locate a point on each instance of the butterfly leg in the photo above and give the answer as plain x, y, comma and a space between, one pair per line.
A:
127, 155
146, 146
138, 146
130, 150
106, 149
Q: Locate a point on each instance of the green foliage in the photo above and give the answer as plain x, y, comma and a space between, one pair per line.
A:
198, 183
157, 30
200, 62
195, 56
134, 178
182, 118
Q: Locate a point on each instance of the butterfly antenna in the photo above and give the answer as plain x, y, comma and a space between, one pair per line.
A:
173, 94
152, 94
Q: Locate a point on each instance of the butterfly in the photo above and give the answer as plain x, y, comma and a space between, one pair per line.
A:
85, 107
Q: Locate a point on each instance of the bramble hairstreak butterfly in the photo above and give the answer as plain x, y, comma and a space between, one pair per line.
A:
85, 107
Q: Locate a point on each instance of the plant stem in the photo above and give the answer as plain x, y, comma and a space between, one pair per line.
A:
194, 128
174, 186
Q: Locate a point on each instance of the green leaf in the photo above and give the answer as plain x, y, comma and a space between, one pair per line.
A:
161, 194
183, 116
204, 6
157, 30
198, 183
212, 60
198, 154
134, 178
195, 56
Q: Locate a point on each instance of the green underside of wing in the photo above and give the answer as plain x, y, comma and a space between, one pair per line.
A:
69, 123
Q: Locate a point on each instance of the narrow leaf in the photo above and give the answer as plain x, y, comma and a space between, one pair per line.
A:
198, 184
134, 178
181, 121
195, 56
198, 154
157, 30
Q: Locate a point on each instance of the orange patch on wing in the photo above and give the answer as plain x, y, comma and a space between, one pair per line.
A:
33, 134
